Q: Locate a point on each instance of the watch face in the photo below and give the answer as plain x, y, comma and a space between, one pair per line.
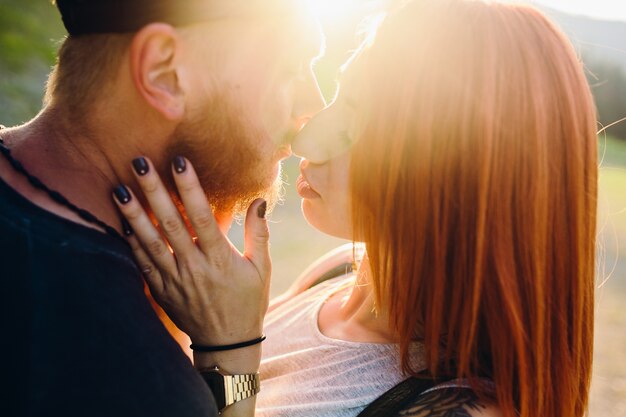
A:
215, 381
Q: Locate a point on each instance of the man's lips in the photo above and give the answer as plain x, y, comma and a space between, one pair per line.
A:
304, 188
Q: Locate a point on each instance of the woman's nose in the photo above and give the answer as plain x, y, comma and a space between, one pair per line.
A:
307, 144
321, 139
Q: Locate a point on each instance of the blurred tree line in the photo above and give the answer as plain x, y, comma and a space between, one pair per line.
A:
30, 31
608, 83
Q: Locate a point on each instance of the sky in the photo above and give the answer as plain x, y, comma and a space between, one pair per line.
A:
603, 9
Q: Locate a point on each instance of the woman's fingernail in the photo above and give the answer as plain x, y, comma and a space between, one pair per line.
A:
180, 165
122, 194
261, 210
126, 228
141, 167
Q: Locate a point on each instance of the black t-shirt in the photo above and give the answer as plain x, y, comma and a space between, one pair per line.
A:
79, 337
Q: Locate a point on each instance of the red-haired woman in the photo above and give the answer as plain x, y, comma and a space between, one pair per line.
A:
461, 149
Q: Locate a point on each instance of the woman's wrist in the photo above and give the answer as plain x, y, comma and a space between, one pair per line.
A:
221, 348
245, 360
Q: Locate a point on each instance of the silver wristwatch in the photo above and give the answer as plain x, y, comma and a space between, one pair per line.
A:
228, 389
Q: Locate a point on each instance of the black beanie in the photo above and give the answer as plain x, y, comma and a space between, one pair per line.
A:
120, 16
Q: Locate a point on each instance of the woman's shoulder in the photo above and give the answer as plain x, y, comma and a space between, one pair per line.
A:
450, 401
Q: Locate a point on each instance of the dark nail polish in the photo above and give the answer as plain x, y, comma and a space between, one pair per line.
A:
141, 167
122, 194
261, 210
180, 165
126, 228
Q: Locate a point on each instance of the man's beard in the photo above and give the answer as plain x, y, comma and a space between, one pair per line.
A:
224, 151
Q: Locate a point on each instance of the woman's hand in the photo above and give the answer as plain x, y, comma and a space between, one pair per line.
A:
209, 289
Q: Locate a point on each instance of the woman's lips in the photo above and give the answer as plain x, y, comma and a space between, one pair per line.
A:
304, 188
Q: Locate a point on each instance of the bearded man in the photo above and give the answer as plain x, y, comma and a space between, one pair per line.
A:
225, 83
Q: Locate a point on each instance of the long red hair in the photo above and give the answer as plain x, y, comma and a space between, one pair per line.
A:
474, 187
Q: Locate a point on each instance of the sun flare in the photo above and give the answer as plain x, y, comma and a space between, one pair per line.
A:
334, 9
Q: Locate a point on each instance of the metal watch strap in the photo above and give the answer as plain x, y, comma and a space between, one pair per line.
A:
240, 387
228, 389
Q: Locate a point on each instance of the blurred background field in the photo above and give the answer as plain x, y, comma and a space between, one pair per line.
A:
608, 396
30, 31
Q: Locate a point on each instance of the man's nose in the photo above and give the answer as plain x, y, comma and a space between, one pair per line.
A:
308, 100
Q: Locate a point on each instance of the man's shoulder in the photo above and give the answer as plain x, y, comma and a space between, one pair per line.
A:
452, 401
46, 257
23, 221
32, 242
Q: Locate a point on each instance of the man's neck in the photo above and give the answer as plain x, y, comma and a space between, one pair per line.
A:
70, 159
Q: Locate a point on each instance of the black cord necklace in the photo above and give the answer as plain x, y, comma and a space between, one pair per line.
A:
55, 195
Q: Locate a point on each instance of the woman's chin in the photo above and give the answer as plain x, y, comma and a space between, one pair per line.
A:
325, 223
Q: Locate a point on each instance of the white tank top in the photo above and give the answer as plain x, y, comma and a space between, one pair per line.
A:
304, 373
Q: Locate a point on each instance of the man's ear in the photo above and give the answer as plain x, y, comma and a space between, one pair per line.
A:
154, 61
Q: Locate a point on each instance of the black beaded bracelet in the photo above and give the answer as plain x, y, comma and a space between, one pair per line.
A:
201, 348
